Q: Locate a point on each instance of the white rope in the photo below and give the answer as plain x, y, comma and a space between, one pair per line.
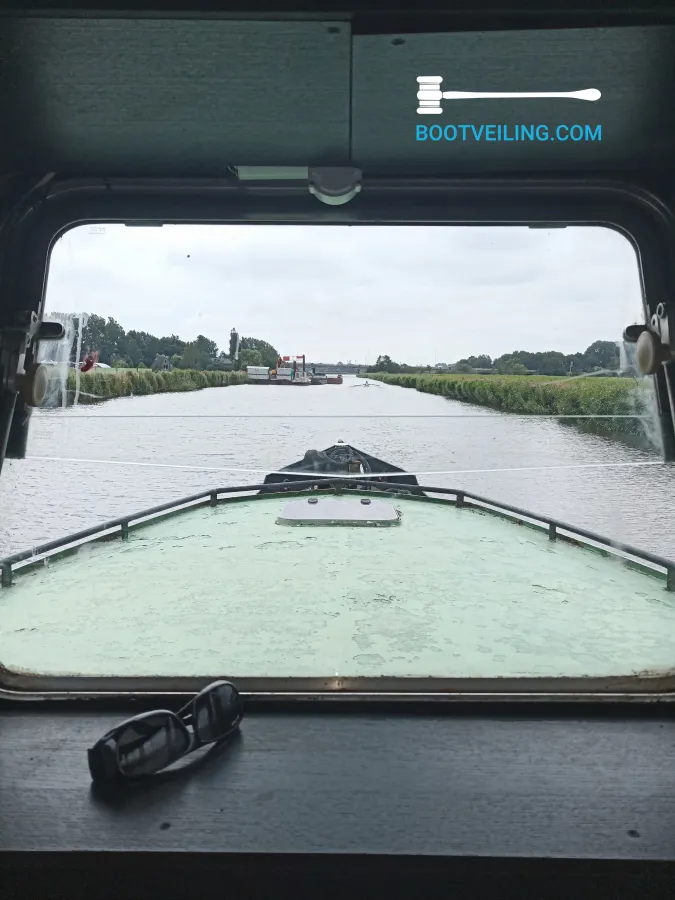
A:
359, 477
284, 416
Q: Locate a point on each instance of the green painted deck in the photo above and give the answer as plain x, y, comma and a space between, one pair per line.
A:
226, 590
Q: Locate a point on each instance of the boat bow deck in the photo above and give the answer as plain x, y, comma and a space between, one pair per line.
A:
452, 592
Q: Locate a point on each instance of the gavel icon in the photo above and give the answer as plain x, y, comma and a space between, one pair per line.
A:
429, 95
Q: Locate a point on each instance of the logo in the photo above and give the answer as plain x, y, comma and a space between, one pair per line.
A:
429, 95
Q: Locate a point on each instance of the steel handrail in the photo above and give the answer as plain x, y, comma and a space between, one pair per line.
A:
124, 523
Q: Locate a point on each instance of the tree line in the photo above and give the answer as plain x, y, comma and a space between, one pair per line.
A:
140, 349
600, 355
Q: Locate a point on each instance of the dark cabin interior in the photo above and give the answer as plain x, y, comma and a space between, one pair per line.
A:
149, 112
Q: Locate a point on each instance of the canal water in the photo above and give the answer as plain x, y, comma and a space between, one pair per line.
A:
88, 464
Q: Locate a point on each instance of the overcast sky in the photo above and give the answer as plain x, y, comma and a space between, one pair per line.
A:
419, 294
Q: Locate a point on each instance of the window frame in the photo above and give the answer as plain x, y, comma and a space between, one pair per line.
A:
628, 207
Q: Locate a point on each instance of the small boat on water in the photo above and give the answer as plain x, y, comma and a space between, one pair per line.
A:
334, 379
339, 573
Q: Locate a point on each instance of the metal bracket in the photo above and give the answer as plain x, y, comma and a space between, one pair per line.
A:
18, 341
335, 186
23, 382
654, 341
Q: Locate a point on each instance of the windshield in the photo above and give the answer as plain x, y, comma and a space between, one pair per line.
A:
487, 362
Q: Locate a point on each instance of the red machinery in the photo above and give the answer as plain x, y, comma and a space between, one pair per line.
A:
89, 361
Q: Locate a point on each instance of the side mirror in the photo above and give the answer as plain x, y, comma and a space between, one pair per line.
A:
653, 341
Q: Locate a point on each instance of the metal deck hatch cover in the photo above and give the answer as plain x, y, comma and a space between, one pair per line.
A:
351, 511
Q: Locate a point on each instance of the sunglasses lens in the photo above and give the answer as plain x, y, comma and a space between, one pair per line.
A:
217, 712
151, 744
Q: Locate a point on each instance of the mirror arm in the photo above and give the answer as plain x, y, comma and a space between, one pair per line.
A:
23, 381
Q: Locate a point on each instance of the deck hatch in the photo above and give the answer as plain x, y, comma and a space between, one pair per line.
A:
348, 511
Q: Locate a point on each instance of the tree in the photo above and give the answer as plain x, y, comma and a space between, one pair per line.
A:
463, 367
550, 362
250, 358
511, 365
113, 343
194, 358
171, 346
140, 342
575, 363
134, 353
268, 354
129, 349
602, 355
385, 363
204, 345
479, 362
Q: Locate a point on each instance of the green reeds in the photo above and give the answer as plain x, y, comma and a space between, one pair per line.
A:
109, 384
548, 395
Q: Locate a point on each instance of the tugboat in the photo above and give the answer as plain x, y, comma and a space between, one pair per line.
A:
334, 379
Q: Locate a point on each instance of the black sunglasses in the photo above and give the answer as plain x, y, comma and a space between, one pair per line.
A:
151, 741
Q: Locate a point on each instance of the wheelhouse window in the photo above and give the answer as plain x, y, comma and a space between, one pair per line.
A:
390, 456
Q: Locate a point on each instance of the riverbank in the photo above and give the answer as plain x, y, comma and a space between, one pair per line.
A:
550, 396
109, 384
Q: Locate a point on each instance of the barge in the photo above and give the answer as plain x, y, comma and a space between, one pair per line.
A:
289, 370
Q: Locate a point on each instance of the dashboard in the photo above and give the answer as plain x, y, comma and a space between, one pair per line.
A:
329, 799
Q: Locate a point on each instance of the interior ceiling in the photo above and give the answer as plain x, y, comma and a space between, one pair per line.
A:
179, 97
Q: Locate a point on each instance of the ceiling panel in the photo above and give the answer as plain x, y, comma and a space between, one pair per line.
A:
634, 68
155, 96
187, 97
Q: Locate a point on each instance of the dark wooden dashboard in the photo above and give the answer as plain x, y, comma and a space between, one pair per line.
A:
325, 802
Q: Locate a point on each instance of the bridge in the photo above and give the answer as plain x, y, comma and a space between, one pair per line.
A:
335, 368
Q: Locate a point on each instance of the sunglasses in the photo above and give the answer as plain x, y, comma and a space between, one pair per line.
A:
151, 741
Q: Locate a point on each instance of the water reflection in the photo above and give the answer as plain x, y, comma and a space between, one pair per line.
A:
249, 427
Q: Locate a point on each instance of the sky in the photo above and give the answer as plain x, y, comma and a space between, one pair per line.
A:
420, 294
